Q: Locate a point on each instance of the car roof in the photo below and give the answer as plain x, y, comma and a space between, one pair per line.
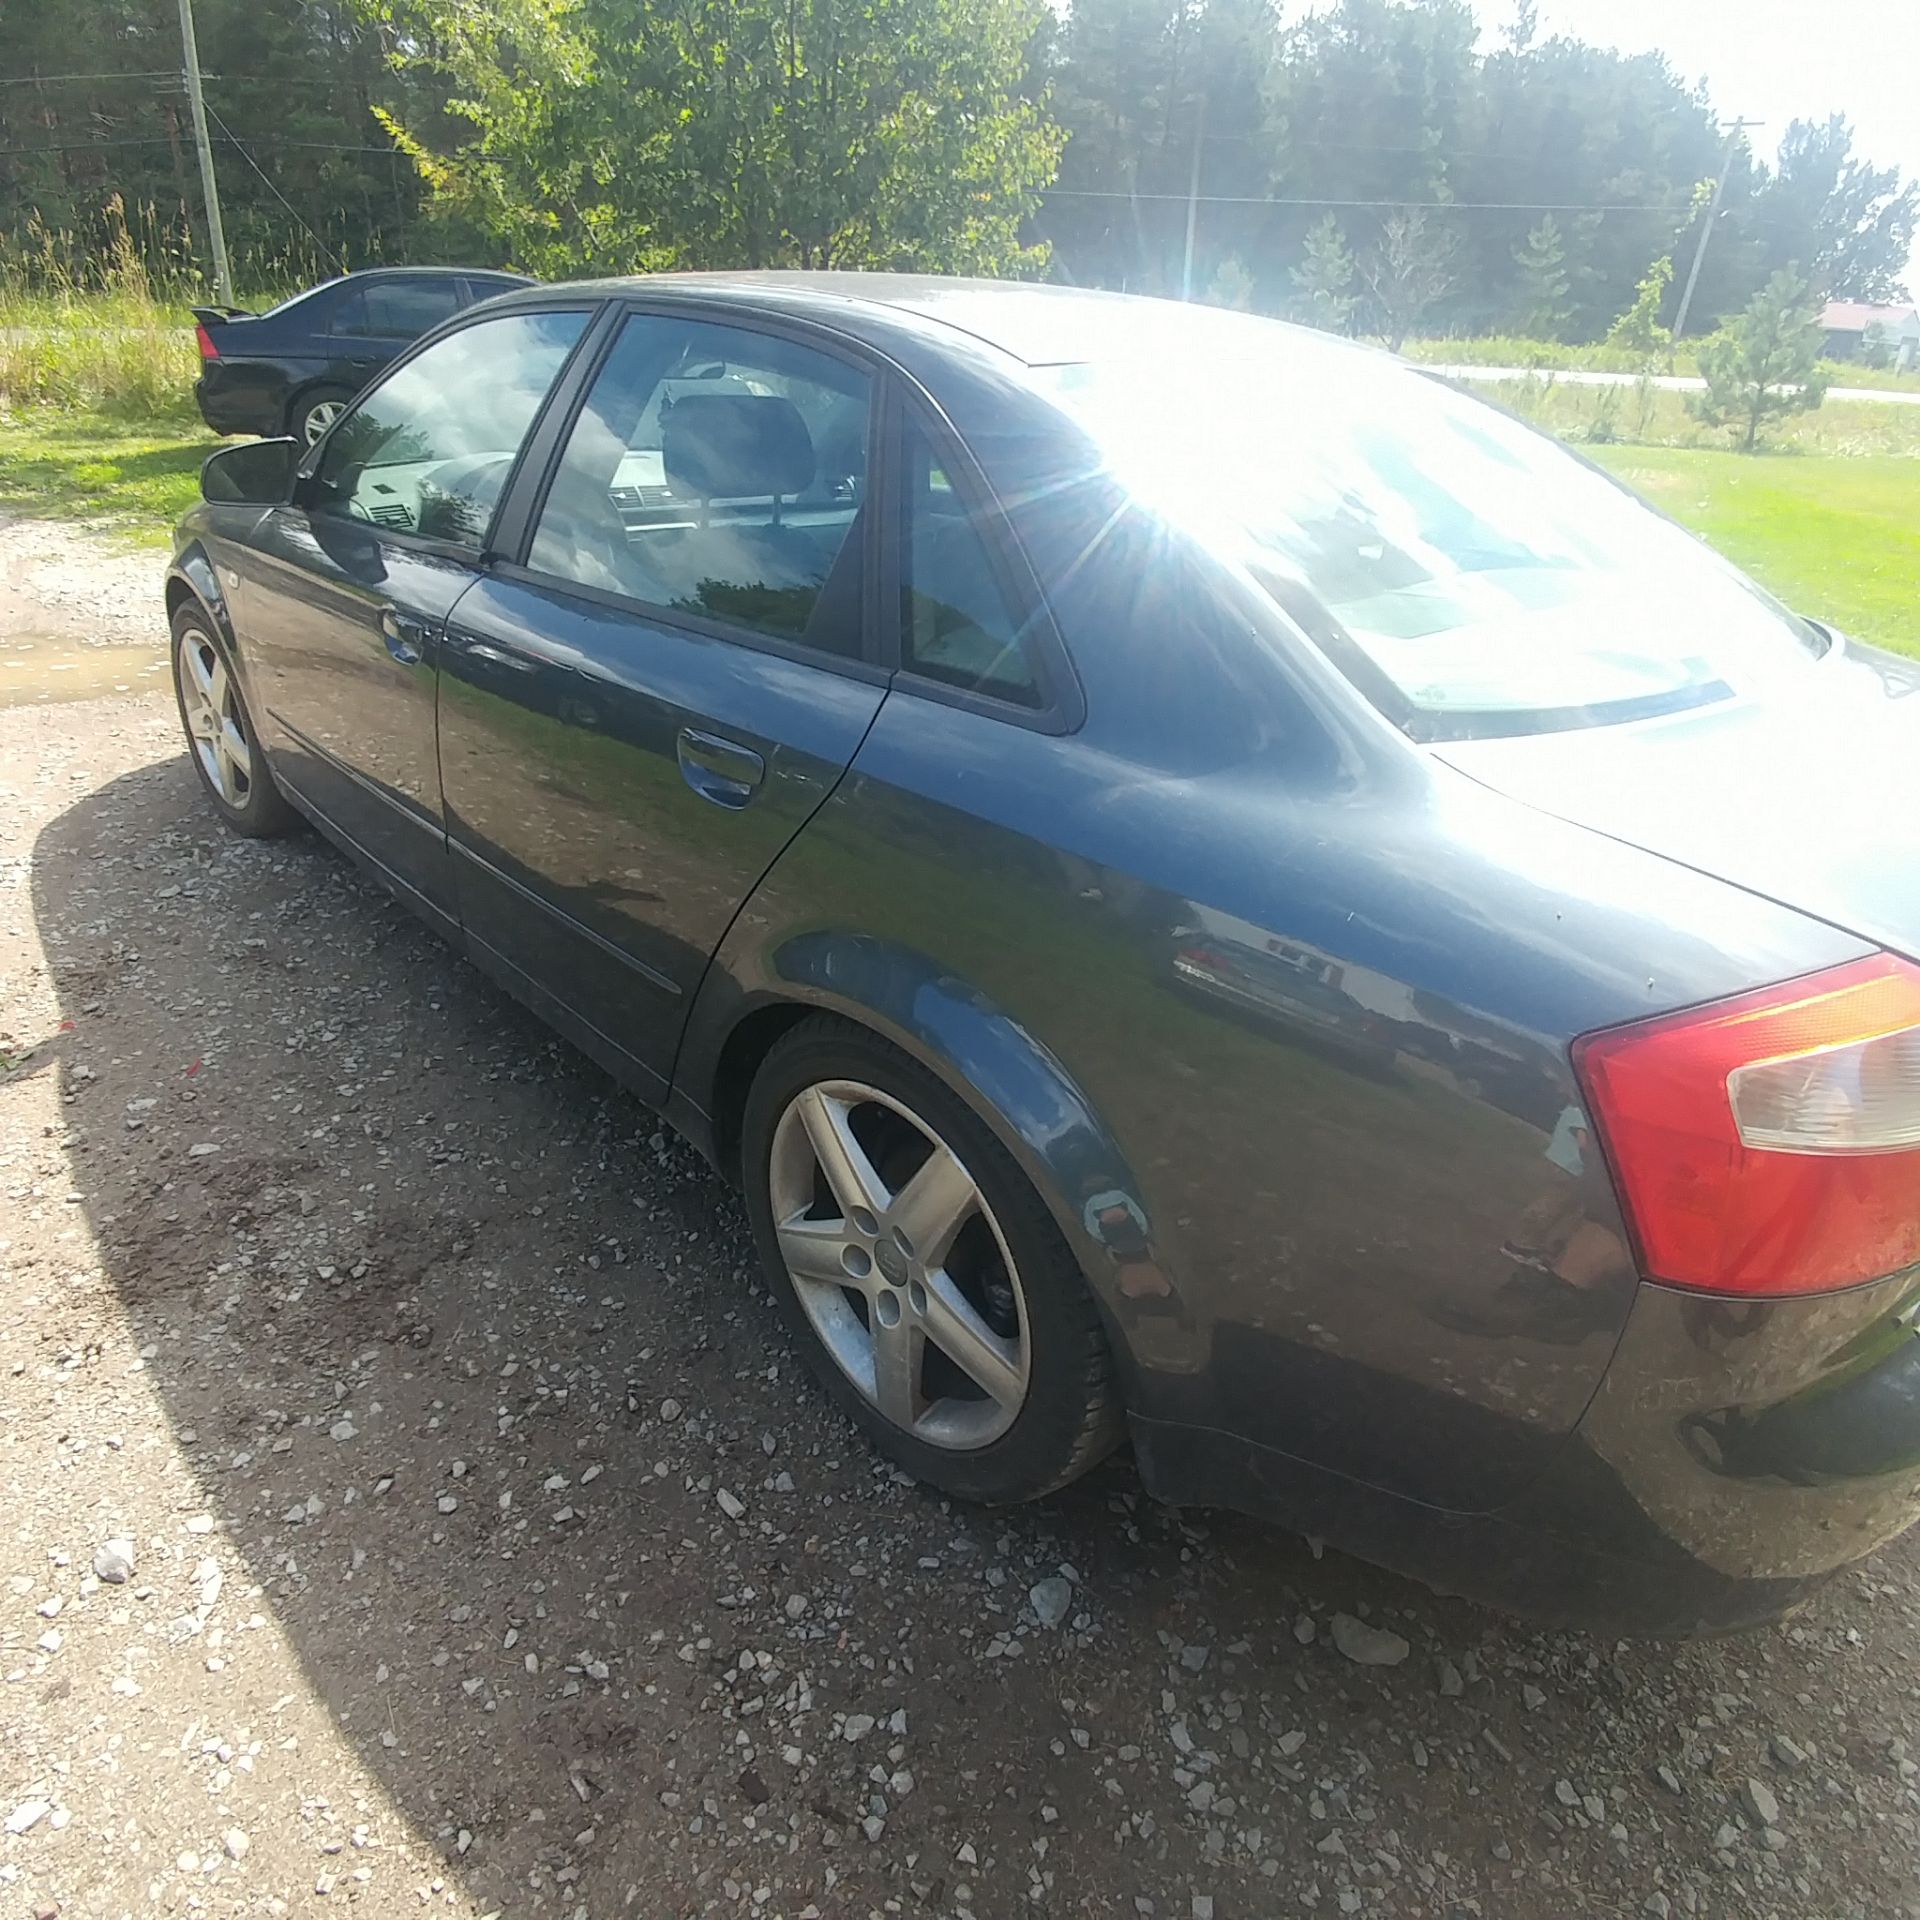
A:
383, 273
1036, 324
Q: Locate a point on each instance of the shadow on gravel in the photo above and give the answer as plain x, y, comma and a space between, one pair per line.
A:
463, 1351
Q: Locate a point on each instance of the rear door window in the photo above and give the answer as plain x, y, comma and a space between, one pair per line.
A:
398, 309
722, 474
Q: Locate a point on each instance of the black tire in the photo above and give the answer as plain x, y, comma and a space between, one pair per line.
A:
301, 411
1070, 1416
256, 807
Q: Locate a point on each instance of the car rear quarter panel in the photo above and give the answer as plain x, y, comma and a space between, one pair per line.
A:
1300, 995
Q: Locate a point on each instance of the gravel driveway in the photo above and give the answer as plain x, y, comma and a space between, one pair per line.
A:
407, 1499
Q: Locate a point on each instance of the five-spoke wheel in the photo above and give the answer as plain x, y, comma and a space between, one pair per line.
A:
220, 737
934, 1294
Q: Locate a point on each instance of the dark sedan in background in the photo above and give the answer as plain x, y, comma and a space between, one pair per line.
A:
1208, 886
292, 369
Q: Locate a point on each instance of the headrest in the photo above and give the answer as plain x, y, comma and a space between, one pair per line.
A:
735, 446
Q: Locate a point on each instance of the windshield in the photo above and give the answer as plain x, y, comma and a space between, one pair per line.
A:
1480, 580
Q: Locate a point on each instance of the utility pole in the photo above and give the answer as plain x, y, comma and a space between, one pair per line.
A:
1706, 232
222, 278
1193, 196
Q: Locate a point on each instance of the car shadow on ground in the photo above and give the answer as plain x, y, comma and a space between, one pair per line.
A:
471, 1369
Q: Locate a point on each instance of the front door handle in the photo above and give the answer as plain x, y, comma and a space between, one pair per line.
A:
719, 770
406, 637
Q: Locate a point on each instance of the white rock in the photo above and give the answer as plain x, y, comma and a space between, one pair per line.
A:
1761, 1803
27, 1815
731, 1504
856, 1726
342, 1430
797, 1604
1051, 1599
1368, 1646
114, 1562
236, 1843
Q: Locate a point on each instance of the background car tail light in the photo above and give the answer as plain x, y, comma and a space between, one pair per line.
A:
1769, 1144
208, 351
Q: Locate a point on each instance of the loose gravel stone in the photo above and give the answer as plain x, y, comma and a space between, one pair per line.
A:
1051, 1600
1368, 1645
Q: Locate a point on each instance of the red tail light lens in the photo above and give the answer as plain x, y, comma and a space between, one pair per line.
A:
1769, 1144
208, 351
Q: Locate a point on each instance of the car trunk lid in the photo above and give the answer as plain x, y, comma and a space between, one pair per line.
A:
1811, 800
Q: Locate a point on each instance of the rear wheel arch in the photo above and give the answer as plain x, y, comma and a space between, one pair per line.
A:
1009, 1081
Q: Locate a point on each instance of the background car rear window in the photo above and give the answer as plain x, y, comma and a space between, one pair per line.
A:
954, 624
428, 450
398, 309
718, 472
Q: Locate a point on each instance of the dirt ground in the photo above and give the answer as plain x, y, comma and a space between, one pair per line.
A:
408, 1500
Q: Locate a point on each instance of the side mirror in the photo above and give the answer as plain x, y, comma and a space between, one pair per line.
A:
257, 473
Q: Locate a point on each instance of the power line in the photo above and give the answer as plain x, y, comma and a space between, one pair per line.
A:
53, 79
271, 188
1311, 200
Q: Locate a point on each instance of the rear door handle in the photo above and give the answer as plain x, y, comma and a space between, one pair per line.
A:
719, 770
407, 638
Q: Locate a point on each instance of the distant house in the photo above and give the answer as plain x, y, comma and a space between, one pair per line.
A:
1847, 322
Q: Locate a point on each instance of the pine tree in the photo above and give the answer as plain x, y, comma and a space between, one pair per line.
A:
1543, 295
1325, 278
1766, 364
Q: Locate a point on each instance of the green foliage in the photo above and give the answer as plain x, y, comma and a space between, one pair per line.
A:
1849, 226
1232, 285
1544, 304
1766, 364
74, 465
1325, 278
1638, 329
609, 135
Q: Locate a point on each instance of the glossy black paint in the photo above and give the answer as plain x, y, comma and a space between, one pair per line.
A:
268, 363
1272, 1004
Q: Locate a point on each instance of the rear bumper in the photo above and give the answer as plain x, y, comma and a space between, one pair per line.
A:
230, 405
1735, 1457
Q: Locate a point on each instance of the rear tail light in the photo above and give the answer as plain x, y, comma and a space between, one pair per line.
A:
1769, 1144
208, 351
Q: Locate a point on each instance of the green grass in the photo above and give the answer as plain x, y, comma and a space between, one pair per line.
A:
1836, 538
1515, 350
138, 476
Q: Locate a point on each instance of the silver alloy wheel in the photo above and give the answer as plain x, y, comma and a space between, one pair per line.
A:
211, 704
900, 1281
320, 416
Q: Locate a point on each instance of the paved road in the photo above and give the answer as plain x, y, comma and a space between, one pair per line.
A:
1671, 382
490, 1553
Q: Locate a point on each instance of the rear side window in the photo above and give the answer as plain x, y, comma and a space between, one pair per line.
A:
955, 624
720, 473
428, 451
398, 309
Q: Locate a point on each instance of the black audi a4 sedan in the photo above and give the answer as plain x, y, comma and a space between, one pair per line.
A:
293, 368
1210, 888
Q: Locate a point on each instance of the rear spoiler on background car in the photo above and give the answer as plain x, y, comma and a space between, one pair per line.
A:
205, 318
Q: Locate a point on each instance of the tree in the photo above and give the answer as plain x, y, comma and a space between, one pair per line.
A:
1638, 329
1408, 273
1543, 305
1766, 364
1325, 278
1232, 285
1850, 225
604, 135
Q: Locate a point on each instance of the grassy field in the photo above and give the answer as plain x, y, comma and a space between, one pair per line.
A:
138, 476
1836, 538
